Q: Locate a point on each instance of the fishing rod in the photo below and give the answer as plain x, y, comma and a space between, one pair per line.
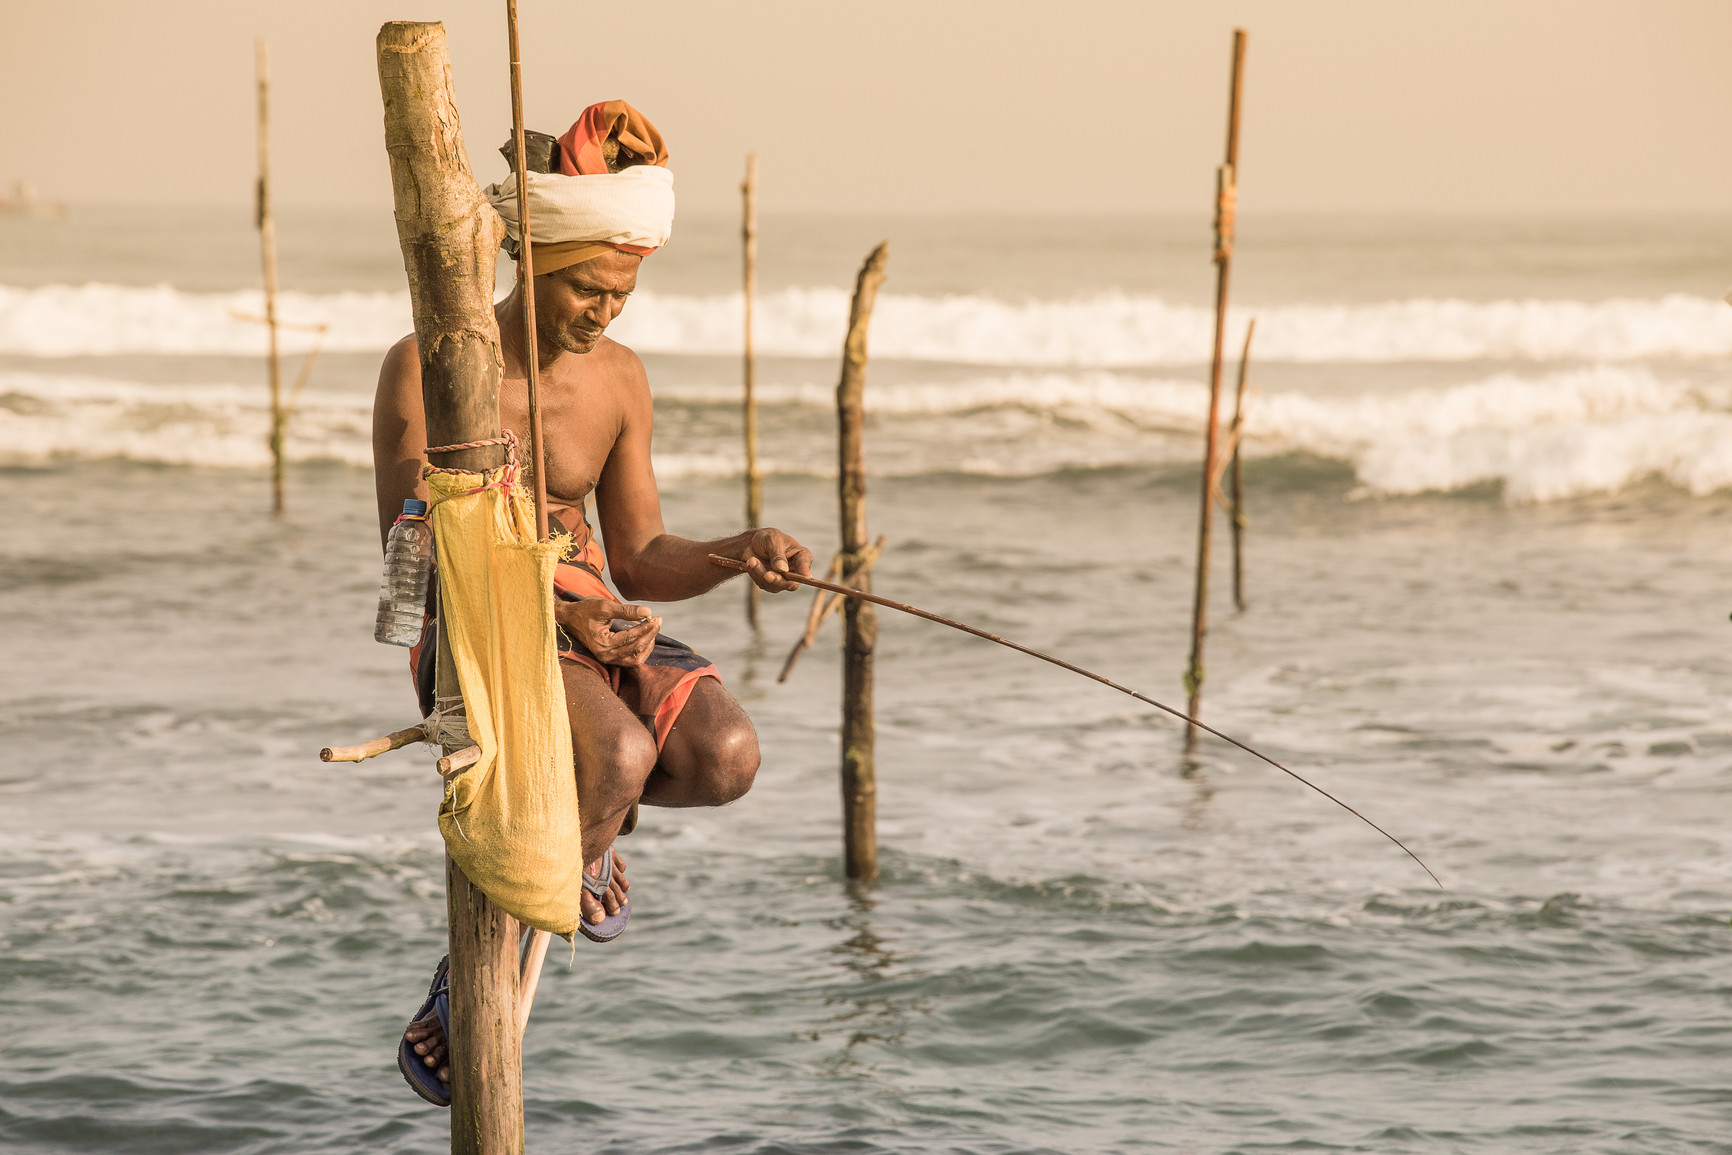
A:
844, 591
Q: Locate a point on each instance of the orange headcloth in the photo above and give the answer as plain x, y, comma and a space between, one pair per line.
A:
583, 149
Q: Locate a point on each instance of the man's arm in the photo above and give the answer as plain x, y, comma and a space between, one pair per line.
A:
649, 563
399, 433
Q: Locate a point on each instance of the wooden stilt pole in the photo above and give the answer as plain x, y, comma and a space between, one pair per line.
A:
754, 481
1238, 476
860, 637
267, 226
450, 240
1226, 193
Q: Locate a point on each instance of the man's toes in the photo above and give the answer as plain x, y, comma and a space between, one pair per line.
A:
591, 908
445, 1075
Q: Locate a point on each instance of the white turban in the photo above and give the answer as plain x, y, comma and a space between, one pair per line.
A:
574, 218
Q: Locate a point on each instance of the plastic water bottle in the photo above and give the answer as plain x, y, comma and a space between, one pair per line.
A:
403, 593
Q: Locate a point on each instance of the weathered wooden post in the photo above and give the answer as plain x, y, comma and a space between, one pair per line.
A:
1226, 196
754, 480
1237, 498
450, 238
267, 226
860, 631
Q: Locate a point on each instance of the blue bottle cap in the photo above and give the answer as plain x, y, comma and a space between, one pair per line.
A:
414, 507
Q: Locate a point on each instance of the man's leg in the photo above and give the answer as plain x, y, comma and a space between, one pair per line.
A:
711, 754
615, 756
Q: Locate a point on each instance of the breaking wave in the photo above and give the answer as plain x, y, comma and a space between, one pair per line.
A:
1105, 331
1541, 437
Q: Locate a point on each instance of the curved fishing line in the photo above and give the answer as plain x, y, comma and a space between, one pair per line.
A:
818, 583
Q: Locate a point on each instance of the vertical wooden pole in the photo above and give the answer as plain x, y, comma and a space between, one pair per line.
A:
754, 481
1238, 482
529, 976
450, 240
1226, 194
860, 631
526, 278
267, 226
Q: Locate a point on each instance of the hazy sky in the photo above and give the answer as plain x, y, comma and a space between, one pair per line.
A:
1475, 106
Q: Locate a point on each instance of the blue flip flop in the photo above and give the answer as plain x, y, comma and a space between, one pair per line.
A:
422, 1079
610, 927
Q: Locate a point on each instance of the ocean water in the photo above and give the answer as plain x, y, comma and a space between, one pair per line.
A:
1490, 478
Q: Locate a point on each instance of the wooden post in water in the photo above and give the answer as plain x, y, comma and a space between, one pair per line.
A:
1237, 498
450, 239
749, 366
267, 226
860, 629
1226, 195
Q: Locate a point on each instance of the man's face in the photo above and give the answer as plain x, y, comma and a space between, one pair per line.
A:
574, 306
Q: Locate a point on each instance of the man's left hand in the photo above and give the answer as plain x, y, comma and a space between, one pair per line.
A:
772, 553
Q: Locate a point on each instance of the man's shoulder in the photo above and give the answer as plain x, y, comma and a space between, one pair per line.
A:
618, 356
620, 364
403, 357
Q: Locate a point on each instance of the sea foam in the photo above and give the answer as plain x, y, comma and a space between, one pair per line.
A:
1107, 331
1541, 437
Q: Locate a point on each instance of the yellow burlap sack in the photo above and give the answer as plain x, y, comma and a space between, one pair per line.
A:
510, 820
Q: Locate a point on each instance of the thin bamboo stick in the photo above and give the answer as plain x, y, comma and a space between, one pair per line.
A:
1238, 480
814, 617
1226, 194
526, 278
749, 366
267, 226
904, 607
530, 977
860, 634
824, 604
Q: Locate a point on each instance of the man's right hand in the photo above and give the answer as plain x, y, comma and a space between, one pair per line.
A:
590, 623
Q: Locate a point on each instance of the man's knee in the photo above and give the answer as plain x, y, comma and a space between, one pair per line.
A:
733, 762
628, 753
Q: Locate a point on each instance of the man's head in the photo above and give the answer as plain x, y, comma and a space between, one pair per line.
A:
575, 305
609, 204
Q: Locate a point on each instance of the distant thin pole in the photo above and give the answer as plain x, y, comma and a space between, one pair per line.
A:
526, 279
268, 256
749, 366
1226, 193
1238, 482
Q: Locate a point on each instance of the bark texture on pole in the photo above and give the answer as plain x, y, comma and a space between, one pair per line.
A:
1226, 196
860, 630
450, 238
267, 224
749, 366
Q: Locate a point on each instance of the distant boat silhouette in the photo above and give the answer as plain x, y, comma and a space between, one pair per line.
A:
24, 203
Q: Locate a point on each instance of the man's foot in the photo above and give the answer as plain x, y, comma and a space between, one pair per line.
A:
427, 1039
604, 903
421, 1055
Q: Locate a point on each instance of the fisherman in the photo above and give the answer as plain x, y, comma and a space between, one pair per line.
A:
650, 721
